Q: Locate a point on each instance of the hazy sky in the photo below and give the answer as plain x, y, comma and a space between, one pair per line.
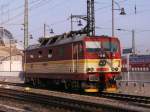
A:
55, 13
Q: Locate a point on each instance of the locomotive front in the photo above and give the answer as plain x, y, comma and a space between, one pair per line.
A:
103, 63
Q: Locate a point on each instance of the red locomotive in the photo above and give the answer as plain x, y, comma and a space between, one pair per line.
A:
78, 59
75, 61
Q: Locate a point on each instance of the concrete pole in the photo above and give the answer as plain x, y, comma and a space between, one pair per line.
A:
113, 18
25, 33
71, 23
26, 25
128, 67
10, 52
133, 41
44, 30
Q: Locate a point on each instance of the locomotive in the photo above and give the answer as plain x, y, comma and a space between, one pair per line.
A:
74, 61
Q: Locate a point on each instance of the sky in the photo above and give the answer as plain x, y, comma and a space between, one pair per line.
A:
56, 13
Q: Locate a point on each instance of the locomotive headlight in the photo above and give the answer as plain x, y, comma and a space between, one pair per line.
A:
90, 69
103, 55
116, 63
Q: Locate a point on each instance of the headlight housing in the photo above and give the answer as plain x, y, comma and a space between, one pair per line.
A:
116, 63
90, 69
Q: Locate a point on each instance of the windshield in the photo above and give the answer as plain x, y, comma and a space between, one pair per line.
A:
93, 46
110, 46
96, 46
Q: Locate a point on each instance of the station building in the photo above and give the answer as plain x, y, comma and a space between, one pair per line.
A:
10, 58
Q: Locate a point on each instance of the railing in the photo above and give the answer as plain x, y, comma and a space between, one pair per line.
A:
134, 87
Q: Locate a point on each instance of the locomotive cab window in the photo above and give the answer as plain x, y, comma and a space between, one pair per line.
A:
110, 46
40, 54
49, 53
93, 46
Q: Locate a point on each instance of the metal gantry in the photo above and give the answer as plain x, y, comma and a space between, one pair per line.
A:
90, 18
26, 25
89, 29
121, 13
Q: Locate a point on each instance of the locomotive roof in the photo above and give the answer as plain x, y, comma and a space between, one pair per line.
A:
56, 40
59, 40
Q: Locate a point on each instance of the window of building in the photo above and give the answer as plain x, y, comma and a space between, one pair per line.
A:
141, 69
147, 69
144, 69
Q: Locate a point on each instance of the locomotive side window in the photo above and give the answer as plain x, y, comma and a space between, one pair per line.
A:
40, 54
75, 49
61, 52
80, 49
49, 53
31, 56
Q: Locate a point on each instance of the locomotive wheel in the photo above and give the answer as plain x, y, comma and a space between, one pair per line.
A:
68, 85
72, 85
28, 81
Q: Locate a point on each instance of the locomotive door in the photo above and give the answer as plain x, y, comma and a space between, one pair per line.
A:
75, 57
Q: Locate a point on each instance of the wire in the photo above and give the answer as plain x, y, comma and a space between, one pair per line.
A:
58, 22
103, 7
22, 6
40, 4
21, 13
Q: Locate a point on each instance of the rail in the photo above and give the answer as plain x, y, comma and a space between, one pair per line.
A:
70, 101
127, 97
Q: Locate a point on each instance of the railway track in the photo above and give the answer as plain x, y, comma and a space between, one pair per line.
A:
71, 101
22, 94
12, 84
126, 97
117, 96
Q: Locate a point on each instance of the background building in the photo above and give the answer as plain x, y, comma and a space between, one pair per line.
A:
10, 57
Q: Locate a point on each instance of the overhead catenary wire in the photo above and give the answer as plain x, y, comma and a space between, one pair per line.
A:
22, 6
37, 5
17, 15
31, 8
20, 14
